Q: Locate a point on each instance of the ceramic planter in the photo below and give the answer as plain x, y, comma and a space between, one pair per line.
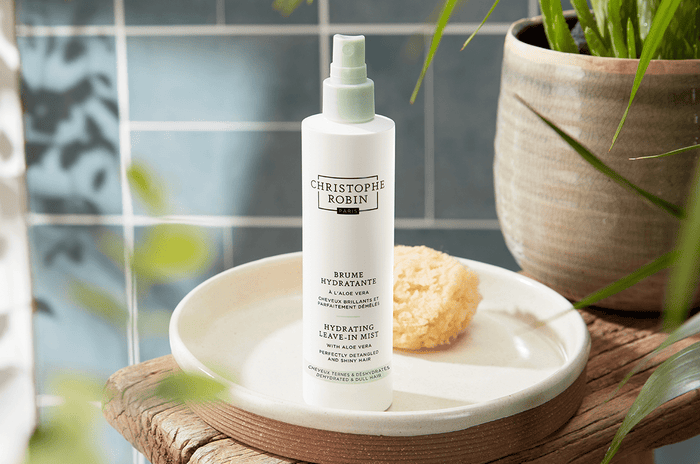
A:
566, 224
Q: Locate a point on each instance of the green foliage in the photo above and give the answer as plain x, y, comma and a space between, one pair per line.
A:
167, 252
687, 329
680, 373
662, 262
100, 303
683, 280
662, 18
171, 252
442, 21
147, 188
186, 387
69, 434
286, 7
594, 161
677, 375
556, 28
624, 27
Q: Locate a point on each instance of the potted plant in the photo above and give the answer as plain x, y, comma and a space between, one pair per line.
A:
566, 224
578, 221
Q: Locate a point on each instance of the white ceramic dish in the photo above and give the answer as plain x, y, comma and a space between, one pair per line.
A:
243, 327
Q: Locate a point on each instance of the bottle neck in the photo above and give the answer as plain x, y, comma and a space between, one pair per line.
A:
348, 103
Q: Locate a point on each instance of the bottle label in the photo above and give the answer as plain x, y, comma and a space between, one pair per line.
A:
347, 377
348, 195
348, 283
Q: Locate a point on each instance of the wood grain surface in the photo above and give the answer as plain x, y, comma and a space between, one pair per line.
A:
168, 432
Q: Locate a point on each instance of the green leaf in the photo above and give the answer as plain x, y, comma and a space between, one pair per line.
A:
146, 187
596, 45
666, 206
617, 29
69, 433
646, 9
669, 153
663, 17
600, 10
684, 276
172, 251
687, 329
585, 17
493, 7
638, 275
154, 323
111, 245
185, 387
677, 375
631, 45
442, 21
556, 28
287, 7
98, 302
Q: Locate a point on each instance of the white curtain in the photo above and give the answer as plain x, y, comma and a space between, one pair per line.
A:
17, 403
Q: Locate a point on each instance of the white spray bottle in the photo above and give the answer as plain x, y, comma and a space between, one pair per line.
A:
348, 240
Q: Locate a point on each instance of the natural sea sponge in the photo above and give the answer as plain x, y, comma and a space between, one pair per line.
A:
435, 297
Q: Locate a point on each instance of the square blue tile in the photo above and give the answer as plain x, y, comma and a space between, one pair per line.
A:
64, 13
392, 11
225, 173
685, 452
70, 333
157, 300
420, 11
71, 124
467, 84
395, 72
253, 243
169, 12
486, 246
223, 78
257, 12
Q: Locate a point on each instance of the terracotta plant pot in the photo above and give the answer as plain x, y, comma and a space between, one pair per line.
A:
566, 224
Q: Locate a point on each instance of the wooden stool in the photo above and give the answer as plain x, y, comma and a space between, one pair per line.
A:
169, 432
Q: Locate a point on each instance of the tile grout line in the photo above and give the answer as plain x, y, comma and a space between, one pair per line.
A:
125, 160
324, 27
216, 126
429, 142
220, 12
324, 33
533, 8
228, 247
405, 223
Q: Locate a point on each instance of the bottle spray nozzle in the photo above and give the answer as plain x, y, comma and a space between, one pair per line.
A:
348, 95
348, 65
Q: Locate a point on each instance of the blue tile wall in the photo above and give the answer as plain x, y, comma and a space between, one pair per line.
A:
466, 94
257, 84
257, 12
173, 12
251, 243
215, 78
63, 13
226, 173
420, 11
480, 245
393, 68
157, 300
71, 124
70, 333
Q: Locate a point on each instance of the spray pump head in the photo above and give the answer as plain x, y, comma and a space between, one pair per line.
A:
348, 95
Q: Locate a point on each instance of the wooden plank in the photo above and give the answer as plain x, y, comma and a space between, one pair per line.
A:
167, 432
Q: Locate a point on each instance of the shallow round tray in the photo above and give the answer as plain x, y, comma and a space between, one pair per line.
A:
508, 381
